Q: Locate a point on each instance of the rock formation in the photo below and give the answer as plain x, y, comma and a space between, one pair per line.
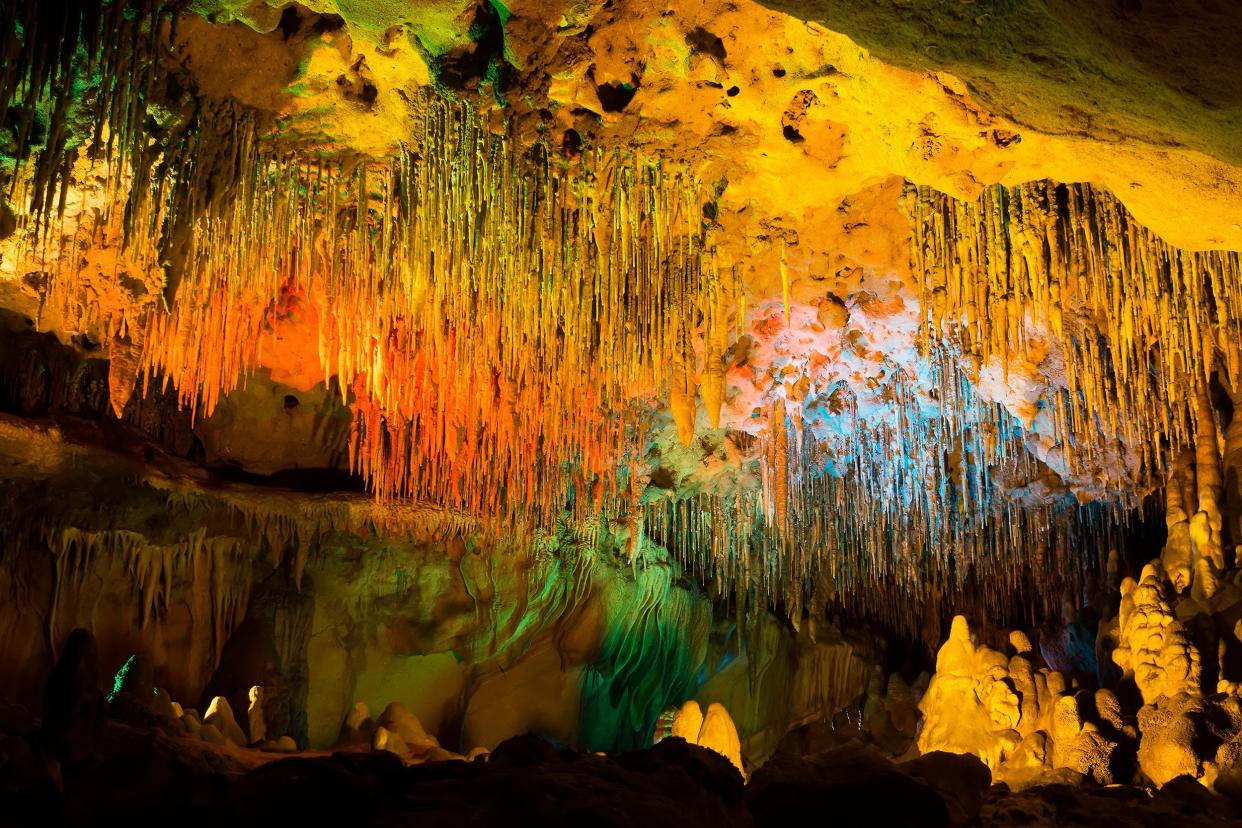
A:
714, 731
850, 389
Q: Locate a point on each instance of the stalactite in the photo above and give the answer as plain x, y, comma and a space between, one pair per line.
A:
1137, 319
903, 518
477, 303
490, 309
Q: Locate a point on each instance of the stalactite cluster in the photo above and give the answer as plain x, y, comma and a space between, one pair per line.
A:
503, 323
1137, 322
902, 512
488, 309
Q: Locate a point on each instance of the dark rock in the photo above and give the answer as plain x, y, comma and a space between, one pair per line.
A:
141, 777
1183, 803
343, 789
132, 699
961, 780
1185, 797
525, 751
851, 785
16, 720
528, 782
73, 701
30, 788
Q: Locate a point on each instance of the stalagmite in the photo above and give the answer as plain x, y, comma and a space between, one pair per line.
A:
1024, 722
385, 739
400, 723
718, 733
1205, 526
968, 707
714, 731
220, 718
254, 716
1177, 556
688, 722
1153, 646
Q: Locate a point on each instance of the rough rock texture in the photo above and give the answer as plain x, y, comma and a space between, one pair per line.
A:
853, 783
714, 731
809, 324
536, 366
478, 645
1153, 646
1022, 721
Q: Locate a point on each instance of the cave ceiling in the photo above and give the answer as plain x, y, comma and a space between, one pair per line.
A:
838, 302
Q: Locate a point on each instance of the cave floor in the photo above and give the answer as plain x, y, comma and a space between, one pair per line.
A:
136, 776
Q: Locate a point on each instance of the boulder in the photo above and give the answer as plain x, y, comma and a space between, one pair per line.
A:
961, 780
385, 739
73, 699
357, 727
398, 719
850, 785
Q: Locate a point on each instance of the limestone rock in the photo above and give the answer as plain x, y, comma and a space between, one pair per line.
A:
688, 722
73, 700
1169, 730
969, 706
284, 744
254, 716
893, 720
164, 707
133, 692
357, 727
714, 731
397, 719
1153, 646
211, 734
1023, 722
385, 739
718, 733
190, 722
220, 716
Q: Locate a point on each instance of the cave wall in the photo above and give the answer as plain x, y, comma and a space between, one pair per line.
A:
483, 638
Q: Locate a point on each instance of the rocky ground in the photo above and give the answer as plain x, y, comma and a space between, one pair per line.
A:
132, 776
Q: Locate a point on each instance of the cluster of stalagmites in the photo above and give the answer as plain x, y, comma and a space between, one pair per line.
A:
1166, 657
1031, 724
714, 731
1021, 719
397, 731
75, 709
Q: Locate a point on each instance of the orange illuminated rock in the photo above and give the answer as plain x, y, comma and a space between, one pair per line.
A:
1153, 646
715, 730
718, 733
1023, 722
